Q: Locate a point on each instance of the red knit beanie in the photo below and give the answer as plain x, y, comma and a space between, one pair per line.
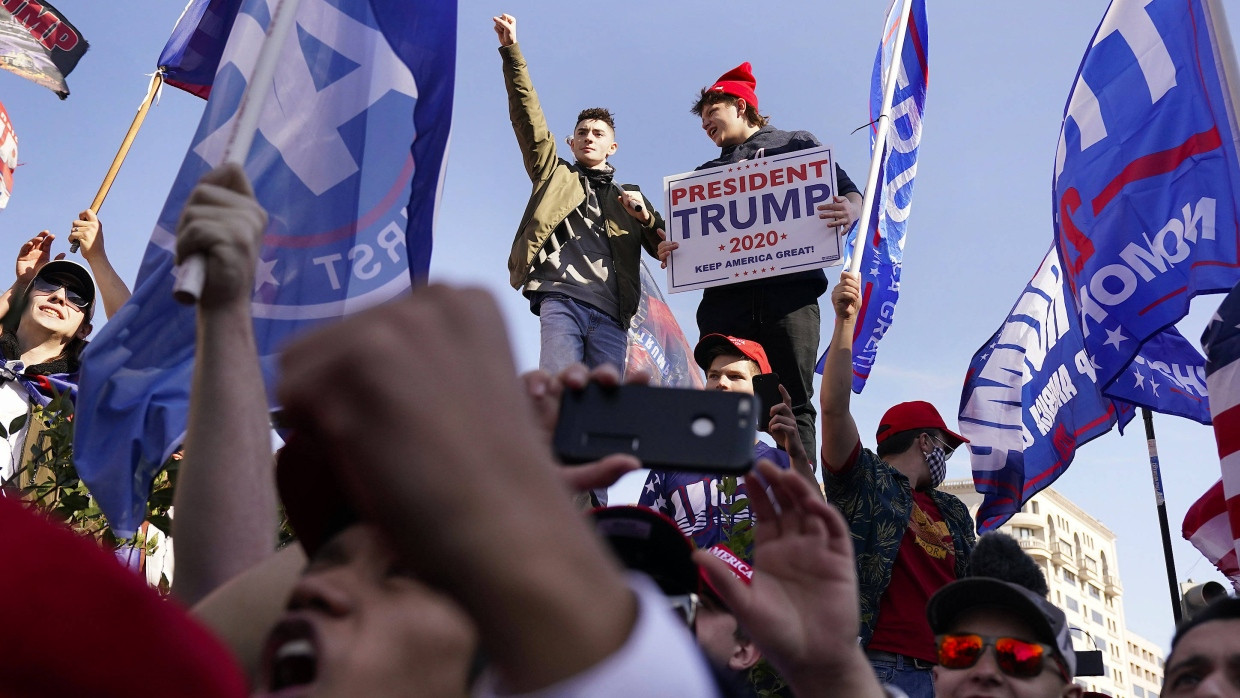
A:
738, 82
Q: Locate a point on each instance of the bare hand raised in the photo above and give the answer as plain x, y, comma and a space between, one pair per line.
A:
506, 29
846, 297
224, 223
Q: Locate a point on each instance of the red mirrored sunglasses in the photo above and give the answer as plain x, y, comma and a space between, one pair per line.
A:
1018, 658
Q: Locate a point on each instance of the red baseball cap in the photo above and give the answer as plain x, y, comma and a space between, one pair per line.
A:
708, 348
738, 82
917, 414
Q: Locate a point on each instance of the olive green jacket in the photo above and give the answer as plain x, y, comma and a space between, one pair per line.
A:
559, 187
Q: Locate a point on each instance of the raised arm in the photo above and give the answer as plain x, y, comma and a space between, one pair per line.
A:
88, 231
839, 431
225, 518
535, 138
34, 253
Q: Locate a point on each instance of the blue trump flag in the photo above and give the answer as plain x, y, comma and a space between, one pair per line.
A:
1031, 398
884, 251
1146, 181
348, 162
192, 55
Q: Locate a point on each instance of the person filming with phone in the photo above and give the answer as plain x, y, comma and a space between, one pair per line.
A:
697, 501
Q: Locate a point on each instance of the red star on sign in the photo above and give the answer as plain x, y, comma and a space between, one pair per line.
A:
746, 273
736, 275
763, 270
783, 236
721, 248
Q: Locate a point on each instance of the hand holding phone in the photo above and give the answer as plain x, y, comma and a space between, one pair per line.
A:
666, 428
766, 389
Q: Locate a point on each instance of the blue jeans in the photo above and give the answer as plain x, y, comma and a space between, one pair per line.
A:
917, 683
573, 332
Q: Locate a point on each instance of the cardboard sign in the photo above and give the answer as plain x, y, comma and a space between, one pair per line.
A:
750, 220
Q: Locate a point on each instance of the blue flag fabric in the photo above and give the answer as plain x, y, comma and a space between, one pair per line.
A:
1146, 181
348, 162
884, 252
1031, 398
192, 55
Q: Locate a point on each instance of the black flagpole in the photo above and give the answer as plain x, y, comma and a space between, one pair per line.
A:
1161, 503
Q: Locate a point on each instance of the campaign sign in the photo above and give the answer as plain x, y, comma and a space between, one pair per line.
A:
750, 220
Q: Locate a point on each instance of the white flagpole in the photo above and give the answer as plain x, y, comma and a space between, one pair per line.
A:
880, 139
191, 274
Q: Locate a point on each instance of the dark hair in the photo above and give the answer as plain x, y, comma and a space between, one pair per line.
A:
1226, 608
903, 441
708, 97
596, 114
999, 556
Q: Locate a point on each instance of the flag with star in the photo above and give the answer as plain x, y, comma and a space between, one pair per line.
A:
1145, 190
1031, 398
883, 253
348, 161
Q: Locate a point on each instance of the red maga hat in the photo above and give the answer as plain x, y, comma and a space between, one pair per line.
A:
708, 348
917, 414
738, 82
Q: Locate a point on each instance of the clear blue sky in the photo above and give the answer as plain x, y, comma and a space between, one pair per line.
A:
999, 77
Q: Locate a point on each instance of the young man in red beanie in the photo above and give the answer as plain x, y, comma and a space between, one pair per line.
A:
781, 312
577, 253
910, 538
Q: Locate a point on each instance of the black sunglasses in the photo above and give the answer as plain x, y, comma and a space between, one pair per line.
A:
48, 287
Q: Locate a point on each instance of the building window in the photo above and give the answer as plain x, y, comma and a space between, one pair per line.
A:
1068, 576
1093, 591
1102, 644
1138, 692
1096, 616
1071, 603
1035, 507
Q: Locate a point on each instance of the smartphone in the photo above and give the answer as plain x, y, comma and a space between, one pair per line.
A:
666, 428
766, 389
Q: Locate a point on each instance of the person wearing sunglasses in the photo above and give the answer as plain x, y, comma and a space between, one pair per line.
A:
40, 347
996, 638
911, 539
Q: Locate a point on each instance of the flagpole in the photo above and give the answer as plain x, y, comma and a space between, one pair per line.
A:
192, 272
157, 82
880, 138
1161, 503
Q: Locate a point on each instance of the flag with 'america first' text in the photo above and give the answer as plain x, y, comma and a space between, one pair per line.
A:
348, 161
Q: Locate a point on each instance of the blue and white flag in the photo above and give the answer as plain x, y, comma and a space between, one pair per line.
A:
1031, 398
884, 251
1146, 181
348, 162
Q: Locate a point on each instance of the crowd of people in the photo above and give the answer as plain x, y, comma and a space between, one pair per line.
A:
436, 555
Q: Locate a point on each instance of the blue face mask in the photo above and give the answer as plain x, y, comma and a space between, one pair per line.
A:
936, 460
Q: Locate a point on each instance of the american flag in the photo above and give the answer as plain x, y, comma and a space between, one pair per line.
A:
1215, 518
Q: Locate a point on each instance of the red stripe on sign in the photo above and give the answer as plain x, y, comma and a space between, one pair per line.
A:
1227, 431
1158, 163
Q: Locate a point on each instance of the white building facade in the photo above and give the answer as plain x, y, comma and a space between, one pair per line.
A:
1077, 555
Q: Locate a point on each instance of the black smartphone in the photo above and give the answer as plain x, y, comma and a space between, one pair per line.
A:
766, 389
666, 428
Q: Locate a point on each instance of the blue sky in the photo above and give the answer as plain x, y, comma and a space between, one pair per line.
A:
980, 223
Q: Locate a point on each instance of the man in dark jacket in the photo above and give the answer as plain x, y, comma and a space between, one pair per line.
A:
779, 312
577, 252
